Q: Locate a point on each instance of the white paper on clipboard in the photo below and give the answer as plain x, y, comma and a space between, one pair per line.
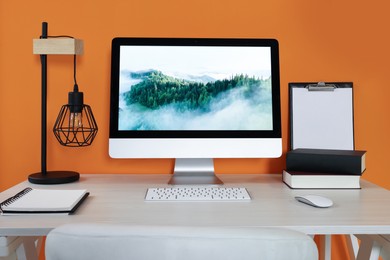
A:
321, 119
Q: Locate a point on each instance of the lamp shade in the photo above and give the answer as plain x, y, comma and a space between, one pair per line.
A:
75, 126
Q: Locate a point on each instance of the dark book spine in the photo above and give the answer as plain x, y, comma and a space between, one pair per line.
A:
325, 163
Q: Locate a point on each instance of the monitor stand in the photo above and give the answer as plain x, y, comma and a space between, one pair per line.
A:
194, 172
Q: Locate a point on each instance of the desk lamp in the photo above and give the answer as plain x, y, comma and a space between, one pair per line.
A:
75, 125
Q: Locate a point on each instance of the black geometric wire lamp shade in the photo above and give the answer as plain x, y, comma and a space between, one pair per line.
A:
75, 125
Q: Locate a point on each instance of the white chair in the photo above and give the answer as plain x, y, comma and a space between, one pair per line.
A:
103, 241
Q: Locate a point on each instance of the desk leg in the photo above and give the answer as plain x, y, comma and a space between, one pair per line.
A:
29, 249
352, 246
373, 246
326, 245
385, 252
369, 248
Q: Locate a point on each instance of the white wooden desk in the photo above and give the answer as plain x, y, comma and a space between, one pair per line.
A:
120, 199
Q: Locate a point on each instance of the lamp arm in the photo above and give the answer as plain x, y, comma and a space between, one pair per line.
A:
44, 104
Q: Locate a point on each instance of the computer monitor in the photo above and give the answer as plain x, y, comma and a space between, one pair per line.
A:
195, 100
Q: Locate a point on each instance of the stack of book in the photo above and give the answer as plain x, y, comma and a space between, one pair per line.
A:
324, 169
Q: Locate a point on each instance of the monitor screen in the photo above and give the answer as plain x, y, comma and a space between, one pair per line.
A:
213, 97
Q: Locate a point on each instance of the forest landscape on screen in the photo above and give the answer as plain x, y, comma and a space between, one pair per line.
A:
195, 88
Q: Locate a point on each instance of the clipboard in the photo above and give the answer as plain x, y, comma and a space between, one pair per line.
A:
321, 115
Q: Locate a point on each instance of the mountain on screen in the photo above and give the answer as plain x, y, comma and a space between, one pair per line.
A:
157, 89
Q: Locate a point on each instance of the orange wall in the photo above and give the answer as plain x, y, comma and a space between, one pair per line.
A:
319, 41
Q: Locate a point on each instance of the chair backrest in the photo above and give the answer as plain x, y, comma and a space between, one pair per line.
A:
103, 241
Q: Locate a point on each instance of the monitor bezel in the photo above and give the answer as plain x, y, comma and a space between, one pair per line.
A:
114, 132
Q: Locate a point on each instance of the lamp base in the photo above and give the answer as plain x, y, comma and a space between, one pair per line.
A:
54, 177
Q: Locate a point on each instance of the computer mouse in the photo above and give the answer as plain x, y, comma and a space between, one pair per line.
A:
315, 200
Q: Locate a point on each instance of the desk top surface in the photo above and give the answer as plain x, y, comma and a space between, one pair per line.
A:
119, 198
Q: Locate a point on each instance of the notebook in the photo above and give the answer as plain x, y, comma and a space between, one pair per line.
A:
40, 201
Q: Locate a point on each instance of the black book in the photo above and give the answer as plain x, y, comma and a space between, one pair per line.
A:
326, 161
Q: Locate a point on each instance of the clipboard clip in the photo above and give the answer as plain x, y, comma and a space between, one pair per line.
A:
321, 86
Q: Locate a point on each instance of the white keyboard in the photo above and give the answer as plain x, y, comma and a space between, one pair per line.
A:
197, 194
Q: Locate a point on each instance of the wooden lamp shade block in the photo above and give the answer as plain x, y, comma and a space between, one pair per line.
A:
58, 46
